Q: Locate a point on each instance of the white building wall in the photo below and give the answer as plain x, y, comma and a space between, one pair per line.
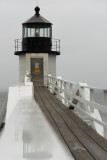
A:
52, 64
22, 67
49, 64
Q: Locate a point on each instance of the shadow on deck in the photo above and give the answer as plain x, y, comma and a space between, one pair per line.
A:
83, 142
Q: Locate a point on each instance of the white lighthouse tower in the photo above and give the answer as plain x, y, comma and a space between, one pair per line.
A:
37, 50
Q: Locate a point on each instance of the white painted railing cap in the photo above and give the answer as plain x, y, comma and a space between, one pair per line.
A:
59, 77
83, 84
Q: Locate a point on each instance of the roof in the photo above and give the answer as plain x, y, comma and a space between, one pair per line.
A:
37, 18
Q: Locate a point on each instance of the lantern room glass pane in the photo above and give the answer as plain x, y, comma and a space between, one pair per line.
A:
32, 32
29, 33
37, 32
48, 32
41, 32
25, 32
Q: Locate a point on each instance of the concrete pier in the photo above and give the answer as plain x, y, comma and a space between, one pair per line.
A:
27, 133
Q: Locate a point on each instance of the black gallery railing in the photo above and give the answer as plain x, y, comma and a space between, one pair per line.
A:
55, 46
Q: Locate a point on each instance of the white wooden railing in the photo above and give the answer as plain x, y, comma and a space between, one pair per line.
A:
81, 99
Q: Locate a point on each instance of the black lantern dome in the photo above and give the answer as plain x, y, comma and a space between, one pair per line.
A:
37, 35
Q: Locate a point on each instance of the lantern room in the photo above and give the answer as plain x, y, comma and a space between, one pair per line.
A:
37, 36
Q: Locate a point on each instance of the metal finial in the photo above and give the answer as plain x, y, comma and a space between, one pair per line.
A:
37, 9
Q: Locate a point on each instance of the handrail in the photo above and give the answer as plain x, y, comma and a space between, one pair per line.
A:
80, 97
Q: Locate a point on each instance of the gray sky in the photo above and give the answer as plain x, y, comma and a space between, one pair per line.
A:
81, 25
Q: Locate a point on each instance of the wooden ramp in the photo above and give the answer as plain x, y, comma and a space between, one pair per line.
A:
83, 142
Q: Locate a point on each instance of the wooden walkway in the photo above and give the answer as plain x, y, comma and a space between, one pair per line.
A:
83, 142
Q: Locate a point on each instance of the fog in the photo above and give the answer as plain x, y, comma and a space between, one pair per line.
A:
81, 25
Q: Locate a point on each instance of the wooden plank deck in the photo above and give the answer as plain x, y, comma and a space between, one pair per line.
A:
83, 142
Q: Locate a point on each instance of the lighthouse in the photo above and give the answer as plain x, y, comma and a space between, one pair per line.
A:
37, 50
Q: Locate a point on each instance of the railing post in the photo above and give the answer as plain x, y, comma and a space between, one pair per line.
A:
52, 83
85, 95
61, 87
91, 99
58, 89
65, 96
46, 79
105, 115
49, 83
